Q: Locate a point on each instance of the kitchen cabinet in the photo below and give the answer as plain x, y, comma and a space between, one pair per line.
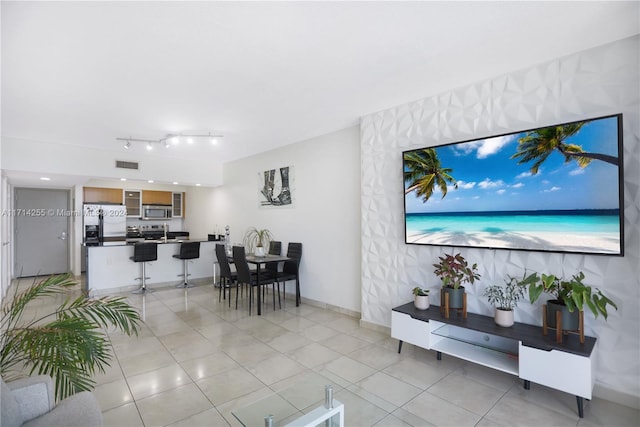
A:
178, 205
133, 202
153, 197
102, 195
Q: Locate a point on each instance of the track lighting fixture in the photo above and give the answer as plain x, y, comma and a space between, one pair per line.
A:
172, 138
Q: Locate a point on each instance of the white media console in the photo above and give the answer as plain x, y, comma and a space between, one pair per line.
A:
520, 350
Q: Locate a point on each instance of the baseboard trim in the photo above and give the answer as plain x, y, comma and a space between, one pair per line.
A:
615, 396
319, 304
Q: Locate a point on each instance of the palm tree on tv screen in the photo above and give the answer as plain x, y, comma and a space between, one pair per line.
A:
423, 173
538, 145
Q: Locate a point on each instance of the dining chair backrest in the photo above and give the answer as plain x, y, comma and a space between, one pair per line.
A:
242, 266
275, 248
223, 261
294, 251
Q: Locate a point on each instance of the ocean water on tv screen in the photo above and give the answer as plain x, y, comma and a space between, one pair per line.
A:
605, 221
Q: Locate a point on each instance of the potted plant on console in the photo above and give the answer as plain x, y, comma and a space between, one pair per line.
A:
421, 298
567, 296
255, 240
454, 271
505, 299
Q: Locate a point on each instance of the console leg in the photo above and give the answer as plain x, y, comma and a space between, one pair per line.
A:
399, 346
527, 384
438, 355
580, 402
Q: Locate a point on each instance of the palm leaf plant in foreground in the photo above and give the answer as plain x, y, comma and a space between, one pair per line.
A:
70, 343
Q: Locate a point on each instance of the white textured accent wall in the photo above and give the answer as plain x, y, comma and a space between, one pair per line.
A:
591, 83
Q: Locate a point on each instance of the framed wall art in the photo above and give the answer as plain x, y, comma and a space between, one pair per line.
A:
276, 187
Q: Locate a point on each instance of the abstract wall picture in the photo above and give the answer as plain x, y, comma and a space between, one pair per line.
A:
275, 187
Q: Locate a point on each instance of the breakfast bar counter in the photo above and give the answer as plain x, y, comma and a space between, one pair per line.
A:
110, 269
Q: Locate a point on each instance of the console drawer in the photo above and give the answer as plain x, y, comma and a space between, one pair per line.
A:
407, 329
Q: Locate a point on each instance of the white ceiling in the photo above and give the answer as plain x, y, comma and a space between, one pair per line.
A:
264, 74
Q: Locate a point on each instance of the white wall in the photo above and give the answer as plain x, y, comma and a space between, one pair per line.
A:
593, 83
325, 216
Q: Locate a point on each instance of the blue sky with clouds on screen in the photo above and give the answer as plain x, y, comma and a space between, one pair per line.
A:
489, 180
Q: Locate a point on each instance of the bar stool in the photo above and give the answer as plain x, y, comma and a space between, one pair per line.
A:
188, 250
143, 253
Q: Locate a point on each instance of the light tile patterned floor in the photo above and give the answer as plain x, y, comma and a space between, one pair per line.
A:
196, 360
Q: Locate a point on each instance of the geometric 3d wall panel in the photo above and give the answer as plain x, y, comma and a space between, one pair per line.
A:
592, 83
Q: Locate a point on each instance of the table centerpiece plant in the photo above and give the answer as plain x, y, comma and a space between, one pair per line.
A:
256, 240
421, 298
453, 271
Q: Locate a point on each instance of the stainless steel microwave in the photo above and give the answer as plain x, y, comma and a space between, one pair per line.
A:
156, 212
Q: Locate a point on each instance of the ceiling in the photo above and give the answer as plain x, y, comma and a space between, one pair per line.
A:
263, 74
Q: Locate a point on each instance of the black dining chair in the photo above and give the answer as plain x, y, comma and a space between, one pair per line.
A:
246, 277
291, 270
271, 269
228, 278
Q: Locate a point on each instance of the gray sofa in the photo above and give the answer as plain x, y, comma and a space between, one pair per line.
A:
30, 402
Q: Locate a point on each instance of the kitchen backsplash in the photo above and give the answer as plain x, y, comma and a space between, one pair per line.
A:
175, 224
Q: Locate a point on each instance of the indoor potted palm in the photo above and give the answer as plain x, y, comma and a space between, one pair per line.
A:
255, 240
421, 298
69, 343
454, 271
505, 298
567, 296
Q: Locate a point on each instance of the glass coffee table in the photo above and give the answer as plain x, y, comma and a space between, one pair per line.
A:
274, 411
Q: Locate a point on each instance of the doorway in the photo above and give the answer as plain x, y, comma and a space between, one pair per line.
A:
41, 231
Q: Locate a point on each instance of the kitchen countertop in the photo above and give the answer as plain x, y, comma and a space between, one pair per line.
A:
110, 268
129, 243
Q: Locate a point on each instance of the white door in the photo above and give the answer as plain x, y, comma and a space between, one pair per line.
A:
41, 231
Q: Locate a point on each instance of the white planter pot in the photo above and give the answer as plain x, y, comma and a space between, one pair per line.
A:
421, 302
259, 251
504, 318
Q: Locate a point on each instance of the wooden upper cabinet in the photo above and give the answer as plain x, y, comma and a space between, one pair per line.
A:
153, 197
102, 195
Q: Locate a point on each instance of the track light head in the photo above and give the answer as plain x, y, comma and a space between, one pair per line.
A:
170, 139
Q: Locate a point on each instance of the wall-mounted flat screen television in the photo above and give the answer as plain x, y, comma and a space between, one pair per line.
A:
552, 189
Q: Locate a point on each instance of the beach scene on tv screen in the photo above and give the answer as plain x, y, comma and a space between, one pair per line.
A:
550, 189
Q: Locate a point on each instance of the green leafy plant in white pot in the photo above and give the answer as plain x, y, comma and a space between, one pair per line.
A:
505, 299
421, 298
256, 240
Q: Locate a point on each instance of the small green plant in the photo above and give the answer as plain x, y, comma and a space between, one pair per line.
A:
506, 297
454, 270
572, 293
418, 291
255, 238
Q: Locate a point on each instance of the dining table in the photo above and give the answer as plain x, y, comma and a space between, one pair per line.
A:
258, 261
